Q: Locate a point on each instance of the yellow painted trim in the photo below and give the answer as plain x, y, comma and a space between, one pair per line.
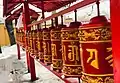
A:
71, 65
81, 28
72, 75
74, 29
55, 40
96, 41
69, 40
98, 74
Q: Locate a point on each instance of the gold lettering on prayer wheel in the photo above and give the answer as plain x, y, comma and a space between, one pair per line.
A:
47, 46
96, 53
70, 52
56, 48
40, 44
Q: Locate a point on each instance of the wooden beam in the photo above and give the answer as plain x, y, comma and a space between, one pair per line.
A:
37, 1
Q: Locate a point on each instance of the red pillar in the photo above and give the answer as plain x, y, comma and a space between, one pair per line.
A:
30, 60
115, 23
32, 68
18, 50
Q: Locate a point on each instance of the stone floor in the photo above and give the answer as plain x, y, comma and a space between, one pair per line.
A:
13, 70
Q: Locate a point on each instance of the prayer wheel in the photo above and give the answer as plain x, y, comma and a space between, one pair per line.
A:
40, 44
96, 51
47, 46
21, 42
27, 41
31, 43
29, 37
70, 50
56, 48
23, 38
17, 36
35, 50
20, 35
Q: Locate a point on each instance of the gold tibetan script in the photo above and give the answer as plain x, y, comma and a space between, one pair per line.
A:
53, 46
64, 53
93, 59
44, 47
73, 53
38, 45
110, 57
31, 43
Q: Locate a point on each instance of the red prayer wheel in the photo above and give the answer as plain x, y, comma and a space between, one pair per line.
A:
29, 37
47, 46
20, 38
40, 44
17, 36
56, 48
20, 34
70, 51
31, 43
23, 39
35, 50
96, 51
27, 41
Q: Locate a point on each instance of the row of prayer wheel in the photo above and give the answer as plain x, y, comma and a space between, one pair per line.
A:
78, 50
20, 37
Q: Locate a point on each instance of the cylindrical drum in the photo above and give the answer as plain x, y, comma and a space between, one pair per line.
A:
96, 51
47, 46
23, 38
21, 42
40, 44
20, 37
56, 47
17, 36
70, 51
35, 43
27, 41
31, 43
